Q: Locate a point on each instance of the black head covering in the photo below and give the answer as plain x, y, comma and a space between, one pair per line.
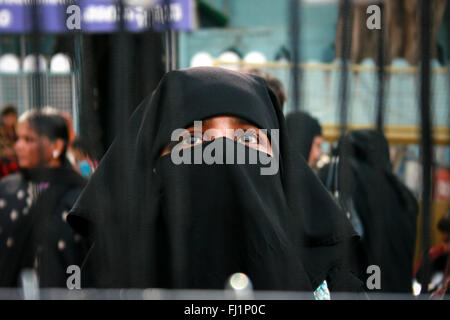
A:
387, 209
302, 130
368, 146
156, 224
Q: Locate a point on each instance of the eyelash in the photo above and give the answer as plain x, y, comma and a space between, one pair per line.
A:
253, 135
188, 142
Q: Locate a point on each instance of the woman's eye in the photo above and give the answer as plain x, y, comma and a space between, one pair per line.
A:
192, 140
248, 139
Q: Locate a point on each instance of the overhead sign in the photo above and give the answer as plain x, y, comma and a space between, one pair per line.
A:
95, 16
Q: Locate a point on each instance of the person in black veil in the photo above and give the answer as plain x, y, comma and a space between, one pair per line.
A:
306, 135
382, 210
156, 222
34, 204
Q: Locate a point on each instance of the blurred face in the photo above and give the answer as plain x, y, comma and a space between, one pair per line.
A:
9, 120
220, 126
32, 150
316, 152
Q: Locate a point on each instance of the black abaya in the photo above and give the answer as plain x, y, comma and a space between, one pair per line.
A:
34, 232
156, 224
386, 208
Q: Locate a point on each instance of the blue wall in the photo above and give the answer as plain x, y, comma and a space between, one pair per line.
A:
263, 25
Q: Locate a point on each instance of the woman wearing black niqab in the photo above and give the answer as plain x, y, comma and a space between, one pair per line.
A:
158, 224
385, 208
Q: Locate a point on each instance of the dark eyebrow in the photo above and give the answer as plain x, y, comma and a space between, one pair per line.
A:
237, 119
242, 121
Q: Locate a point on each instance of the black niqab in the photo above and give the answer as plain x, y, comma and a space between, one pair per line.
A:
156, 224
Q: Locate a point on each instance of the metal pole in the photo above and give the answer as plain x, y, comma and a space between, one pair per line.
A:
25, 83
344, 178
345, 54
36, 77
122, 70
169, 38
381, 76
77, 82
426, 142
294, 15
168, 49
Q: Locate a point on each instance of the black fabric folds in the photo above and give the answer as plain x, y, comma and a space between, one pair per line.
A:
157, 224
33, 234
387, 209
302, 130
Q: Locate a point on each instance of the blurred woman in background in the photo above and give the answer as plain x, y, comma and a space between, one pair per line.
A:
381, 208
306, 136
34, 204
8, 137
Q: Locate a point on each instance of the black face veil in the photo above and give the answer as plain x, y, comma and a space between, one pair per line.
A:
157, 224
